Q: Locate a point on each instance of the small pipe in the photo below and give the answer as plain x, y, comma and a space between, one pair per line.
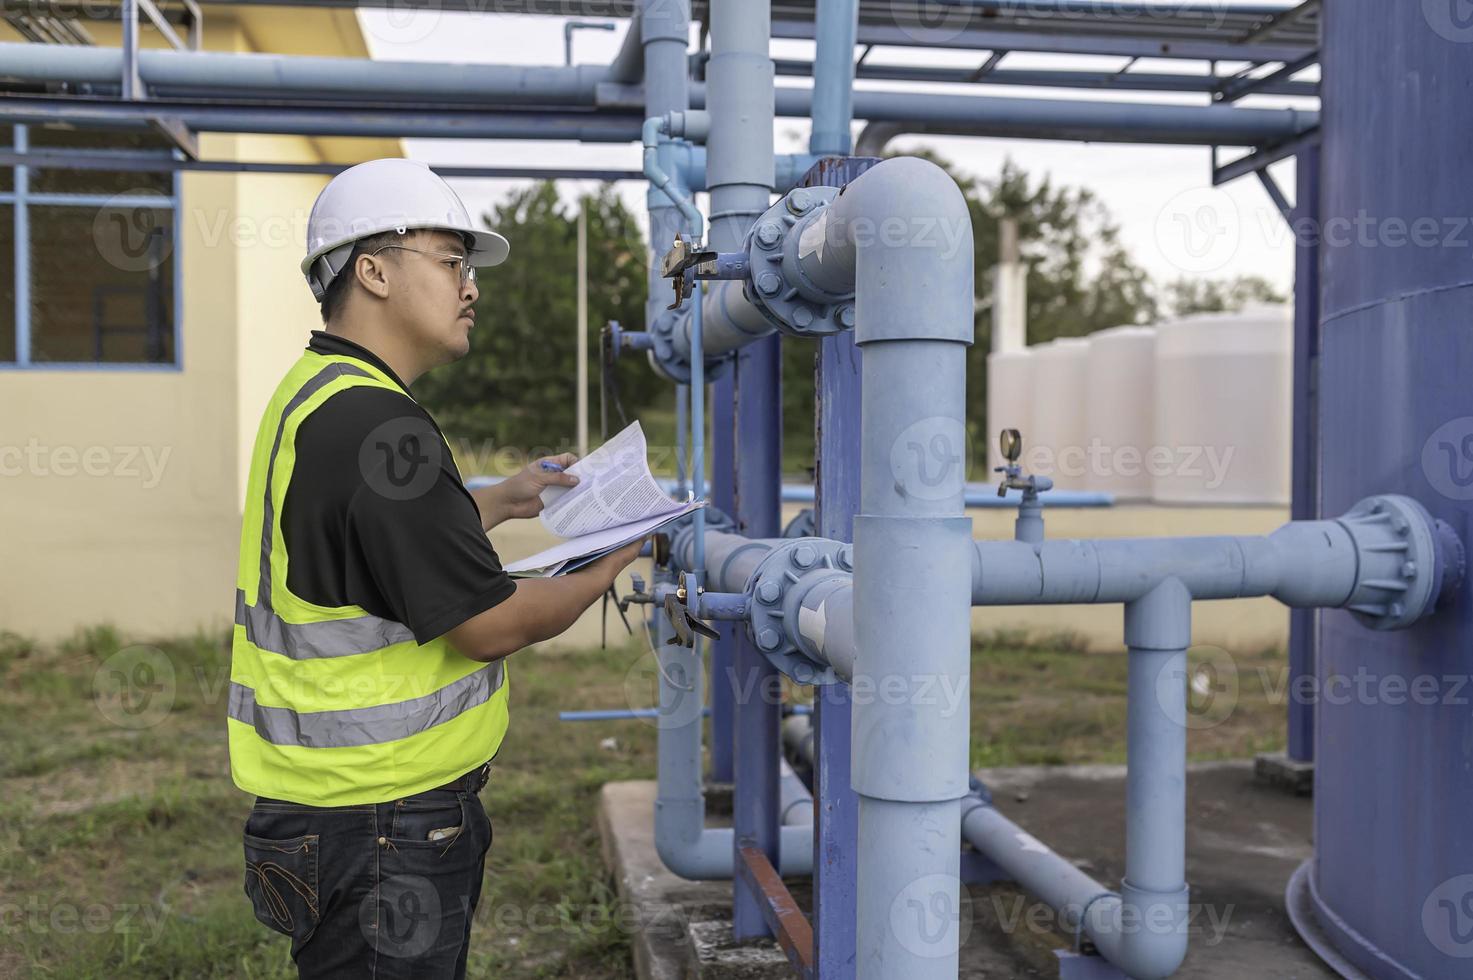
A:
650, 135
833, 77
574, 25
682, 423
629, 714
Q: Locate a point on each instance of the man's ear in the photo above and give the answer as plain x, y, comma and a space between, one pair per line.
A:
372, 274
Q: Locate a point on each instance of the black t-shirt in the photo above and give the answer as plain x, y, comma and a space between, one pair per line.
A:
377, 515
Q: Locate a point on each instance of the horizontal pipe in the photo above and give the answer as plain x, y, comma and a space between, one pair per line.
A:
1303, 564
978, 495
425, 122
174, 73
169, 73
116, 160
630, 714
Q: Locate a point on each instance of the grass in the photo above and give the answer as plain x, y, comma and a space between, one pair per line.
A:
120, 828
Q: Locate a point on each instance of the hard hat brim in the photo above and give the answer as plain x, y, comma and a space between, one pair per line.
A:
488, 248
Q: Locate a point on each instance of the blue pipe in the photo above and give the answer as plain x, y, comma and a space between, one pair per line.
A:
682, 396
628, 714
978, 495
833, 77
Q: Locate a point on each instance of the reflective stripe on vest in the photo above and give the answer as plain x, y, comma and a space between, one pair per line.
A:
365, 726
306, 641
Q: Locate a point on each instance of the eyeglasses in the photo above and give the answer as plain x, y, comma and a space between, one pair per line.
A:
459, 263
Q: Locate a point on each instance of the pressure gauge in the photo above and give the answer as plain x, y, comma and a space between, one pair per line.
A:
1010, 441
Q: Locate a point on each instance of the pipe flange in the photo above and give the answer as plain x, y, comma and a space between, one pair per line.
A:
777, 588
802, 525
668, 362
777, 285
1408, 561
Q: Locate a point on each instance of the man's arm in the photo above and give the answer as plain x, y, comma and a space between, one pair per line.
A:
540, 609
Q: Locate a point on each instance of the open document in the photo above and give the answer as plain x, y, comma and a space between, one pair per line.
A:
615, 502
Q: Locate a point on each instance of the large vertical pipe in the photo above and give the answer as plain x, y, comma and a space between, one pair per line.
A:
739, 175
833, 77
1304, 499
912, 616
1393, 855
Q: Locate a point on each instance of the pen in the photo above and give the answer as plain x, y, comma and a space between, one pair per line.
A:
549, 467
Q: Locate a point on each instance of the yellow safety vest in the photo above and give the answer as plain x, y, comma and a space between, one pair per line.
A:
332, 706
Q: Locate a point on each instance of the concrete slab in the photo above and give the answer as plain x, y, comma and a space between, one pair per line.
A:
1244, 841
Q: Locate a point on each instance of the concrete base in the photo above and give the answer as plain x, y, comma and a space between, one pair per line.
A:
1278, 770
1244, 841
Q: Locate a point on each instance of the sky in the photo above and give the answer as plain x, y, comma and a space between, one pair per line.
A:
1172, 220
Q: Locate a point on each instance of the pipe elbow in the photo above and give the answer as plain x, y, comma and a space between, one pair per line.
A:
905, 221
1147, 934
679, 840
1144, 955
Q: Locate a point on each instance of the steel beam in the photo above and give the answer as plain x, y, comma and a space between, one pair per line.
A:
990, 39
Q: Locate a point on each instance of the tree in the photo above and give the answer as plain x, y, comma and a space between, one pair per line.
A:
1183, 297
1080, 279
516, 388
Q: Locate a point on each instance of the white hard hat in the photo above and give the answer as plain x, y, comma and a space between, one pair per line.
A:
392, 194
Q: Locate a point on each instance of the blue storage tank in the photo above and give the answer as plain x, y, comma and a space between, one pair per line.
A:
1392, 878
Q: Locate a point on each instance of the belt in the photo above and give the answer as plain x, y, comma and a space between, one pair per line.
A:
472, 782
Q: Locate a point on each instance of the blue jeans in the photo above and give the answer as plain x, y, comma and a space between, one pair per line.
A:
384, 890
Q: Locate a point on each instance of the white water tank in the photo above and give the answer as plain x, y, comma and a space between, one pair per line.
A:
1120, 411
1055, 446
1223, 408
1009, 398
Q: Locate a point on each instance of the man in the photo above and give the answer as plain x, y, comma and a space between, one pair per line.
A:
368, 689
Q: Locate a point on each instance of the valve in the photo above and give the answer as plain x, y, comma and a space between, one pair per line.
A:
1029, 525
679, 605
1010, 441
688, 261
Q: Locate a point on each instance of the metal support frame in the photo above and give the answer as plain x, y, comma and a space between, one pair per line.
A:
1276, 194
1305, 475
836, 477
982, 39
1242, 85
1262, 157
784, 919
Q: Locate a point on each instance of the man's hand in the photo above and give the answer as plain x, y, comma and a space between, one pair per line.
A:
609, 566
520, 495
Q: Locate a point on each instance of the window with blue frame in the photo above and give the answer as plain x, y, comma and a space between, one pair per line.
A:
89, 276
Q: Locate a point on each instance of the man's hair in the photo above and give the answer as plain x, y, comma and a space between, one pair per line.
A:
337, 290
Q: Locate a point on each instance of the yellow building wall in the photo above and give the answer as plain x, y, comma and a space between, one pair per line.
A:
121, 492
